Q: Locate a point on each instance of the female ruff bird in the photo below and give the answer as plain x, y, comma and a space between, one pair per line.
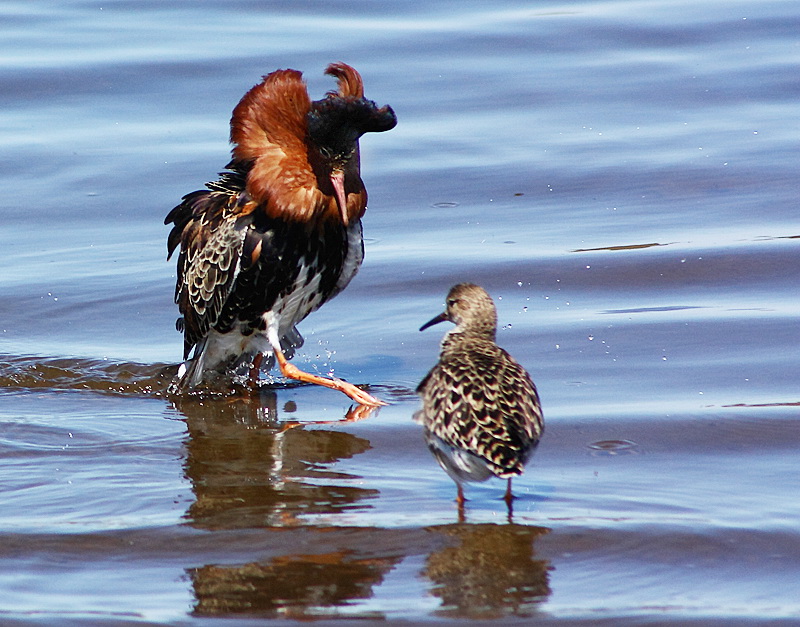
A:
279, 233
480, 410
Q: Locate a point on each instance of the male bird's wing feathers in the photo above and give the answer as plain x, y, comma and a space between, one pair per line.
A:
232, 263
210, 228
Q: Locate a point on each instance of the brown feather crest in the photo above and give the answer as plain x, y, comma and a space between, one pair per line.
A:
349, 80
271, 115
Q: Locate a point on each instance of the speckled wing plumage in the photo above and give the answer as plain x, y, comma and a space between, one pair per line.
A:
481, 402
208, 228
236, 263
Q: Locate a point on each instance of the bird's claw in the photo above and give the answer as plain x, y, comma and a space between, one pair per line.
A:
360, 396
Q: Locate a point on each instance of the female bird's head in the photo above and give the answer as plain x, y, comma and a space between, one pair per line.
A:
299, 147
471, 309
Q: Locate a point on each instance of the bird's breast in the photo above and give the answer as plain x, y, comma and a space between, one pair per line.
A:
289, 270
304, 296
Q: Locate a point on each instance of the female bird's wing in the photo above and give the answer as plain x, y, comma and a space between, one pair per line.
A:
484, 402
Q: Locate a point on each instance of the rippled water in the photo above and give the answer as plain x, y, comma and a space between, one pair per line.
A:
620, 176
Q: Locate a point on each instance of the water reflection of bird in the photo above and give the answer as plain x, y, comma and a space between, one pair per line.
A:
279, 233
298, 587
490, 572
480, 411
252, 463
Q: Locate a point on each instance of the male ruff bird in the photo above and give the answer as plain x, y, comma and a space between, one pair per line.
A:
480, 409
279, 234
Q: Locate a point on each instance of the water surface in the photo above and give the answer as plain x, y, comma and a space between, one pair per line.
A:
621, 177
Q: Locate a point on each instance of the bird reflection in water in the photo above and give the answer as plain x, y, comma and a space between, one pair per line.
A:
482, 571
249, 468
297, 586
490, 572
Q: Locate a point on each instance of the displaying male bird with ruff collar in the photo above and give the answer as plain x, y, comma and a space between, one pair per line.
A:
279, 234
480, 408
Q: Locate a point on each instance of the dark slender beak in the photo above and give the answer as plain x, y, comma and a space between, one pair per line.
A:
440, 318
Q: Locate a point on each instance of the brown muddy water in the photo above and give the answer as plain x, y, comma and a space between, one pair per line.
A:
621, 177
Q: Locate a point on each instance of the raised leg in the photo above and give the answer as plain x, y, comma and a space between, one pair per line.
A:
293, 372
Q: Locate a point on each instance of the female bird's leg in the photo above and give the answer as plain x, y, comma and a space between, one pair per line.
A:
509, 499
460, 495
460, 500
293, 372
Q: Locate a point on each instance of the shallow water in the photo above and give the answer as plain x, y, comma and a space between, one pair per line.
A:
621, 177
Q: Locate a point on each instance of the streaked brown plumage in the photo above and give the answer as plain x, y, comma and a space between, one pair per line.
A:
481, 410
279, 234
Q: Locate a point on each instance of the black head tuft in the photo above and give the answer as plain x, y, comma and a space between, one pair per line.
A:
335, 124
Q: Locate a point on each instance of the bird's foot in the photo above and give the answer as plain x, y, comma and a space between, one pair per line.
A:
357, 394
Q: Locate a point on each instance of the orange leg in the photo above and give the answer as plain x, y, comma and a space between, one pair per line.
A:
293, 372
460, 495
354, 414
460, 500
